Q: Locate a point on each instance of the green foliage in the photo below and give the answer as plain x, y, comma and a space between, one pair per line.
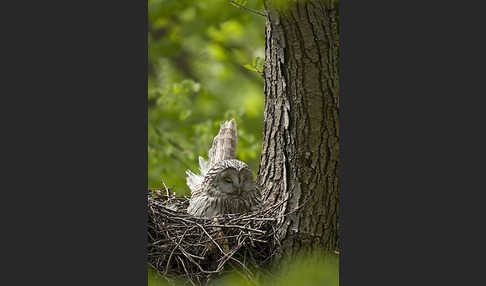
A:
197, 53
322, 270
256, 65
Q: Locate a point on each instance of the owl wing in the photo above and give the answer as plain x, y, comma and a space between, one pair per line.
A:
193, 181
256, 203
203, 166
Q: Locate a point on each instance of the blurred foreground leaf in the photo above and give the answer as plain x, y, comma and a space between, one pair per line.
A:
319, 270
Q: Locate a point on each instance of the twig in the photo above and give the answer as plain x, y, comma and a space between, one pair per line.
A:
179, 245
240, 227
166, 189
172, 252
248, 9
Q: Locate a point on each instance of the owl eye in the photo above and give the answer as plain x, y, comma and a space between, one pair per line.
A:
228, 180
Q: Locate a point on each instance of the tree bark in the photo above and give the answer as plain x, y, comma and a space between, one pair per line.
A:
299, 162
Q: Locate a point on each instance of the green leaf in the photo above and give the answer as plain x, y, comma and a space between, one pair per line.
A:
249, 67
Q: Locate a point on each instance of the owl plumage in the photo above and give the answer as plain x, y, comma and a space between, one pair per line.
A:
225, 185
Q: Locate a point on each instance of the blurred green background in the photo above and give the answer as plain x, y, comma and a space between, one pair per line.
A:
204, 63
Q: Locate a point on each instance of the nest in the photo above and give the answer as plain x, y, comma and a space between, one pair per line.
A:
199, 249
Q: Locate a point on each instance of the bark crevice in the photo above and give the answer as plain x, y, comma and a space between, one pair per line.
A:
300, 147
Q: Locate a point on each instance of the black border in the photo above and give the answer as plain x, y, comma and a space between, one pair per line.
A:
76, 160
409, 140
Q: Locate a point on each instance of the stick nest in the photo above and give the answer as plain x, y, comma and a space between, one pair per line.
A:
199, 249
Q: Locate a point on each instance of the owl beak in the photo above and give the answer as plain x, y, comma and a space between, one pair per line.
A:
239, 191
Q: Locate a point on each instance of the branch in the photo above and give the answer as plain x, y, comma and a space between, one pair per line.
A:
248, 9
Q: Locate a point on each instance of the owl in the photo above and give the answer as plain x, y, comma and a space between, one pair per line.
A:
225, 185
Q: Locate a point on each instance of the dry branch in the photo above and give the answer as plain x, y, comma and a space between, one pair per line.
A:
183, 246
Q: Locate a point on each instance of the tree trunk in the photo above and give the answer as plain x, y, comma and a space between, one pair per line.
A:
299, 162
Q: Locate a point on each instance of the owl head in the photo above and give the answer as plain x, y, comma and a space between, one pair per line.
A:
231, 179
227, 187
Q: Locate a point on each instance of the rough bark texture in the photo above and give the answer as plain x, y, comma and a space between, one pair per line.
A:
300, 149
